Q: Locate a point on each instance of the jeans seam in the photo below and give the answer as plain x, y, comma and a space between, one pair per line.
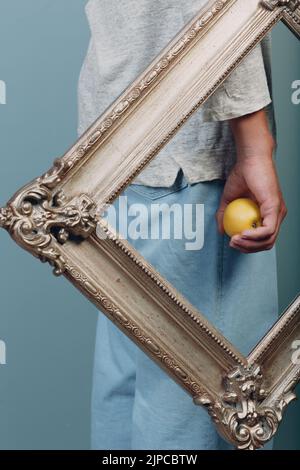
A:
219, 294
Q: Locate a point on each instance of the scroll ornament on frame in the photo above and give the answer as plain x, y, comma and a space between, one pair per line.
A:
241, 415
272, 4
40, 220
291, 15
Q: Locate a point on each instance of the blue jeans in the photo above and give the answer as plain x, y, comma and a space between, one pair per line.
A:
136, 405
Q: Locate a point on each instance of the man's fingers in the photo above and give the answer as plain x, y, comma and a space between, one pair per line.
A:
252, 246
269, 227
258, 234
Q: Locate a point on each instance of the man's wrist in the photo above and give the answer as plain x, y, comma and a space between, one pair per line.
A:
258, 150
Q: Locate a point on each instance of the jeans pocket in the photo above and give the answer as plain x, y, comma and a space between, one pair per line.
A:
153, 193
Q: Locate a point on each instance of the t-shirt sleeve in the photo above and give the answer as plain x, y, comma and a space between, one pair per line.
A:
245, 91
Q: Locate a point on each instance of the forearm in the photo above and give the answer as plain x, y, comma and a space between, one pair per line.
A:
252, 136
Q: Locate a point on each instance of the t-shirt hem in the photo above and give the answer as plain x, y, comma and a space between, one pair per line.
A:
215, 164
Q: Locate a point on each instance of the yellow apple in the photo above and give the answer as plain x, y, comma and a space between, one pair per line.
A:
241, 214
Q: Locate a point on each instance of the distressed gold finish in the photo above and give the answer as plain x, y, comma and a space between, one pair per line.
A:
40, 220
291, 15
240, 414
57, 218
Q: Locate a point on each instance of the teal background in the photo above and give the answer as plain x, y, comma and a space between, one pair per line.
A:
47, 325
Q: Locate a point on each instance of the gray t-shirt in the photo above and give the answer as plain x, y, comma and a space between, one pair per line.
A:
126, 35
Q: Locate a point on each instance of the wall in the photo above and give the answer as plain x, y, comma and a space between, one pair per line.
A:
286, 69
48, 326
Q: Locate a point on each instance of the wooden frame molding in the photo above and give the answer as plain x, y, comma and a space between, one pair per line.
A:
55, 217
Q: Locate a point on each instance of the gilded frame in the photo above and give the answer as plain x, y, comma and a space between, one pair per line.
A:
55, 218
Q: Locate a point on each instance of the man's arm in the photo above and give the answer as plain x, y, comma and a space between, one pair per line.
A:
254, 176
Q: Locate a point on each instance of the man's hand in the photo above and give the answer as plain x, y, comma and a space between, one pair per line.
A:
254, 175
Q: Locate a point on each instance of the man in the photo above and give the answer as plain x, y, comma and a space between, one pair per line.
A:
223, 152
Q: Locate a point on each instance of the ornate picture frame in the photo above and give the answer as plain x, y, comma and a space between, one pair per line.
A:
55, 217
